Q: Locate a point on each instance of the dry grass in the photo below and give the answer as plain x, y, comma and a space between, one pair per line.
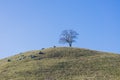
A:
61, 64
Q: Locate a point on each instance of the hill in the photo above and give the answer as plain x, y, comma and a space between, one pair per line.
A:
61, 64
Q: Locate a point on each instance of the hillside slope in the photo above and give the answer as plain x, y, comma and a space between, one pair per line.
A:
61, 64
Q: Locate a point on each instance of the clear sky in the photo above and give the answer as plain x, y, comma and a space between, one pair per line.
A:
34, 24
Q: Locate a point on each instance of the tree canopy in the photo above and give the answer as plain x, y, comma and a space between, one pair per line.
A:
68, 36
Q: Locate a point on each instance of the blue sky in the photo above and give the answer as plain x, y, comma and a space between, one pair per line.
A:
34, 24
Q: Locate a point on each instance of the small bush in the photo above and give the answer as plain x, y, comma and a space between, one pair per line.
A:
41, 52
9, 60
54, 46
42, 48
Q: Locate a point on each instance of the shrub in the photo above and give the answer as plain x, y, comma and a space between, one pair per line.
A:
40, 52
42, 48
9, 60
54, 46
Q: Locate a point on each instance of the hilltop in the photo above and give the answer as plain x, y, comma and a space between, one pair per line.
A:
61, 63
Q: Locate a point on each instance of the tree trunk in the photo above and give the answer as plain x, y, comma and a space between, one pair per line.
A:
70, 44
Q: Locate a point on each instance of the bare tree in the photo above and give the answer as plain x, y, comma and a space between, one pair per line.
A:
68, 36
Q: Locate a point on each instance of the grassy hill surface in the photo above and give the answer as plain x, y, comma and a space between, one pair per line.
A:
61, 64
